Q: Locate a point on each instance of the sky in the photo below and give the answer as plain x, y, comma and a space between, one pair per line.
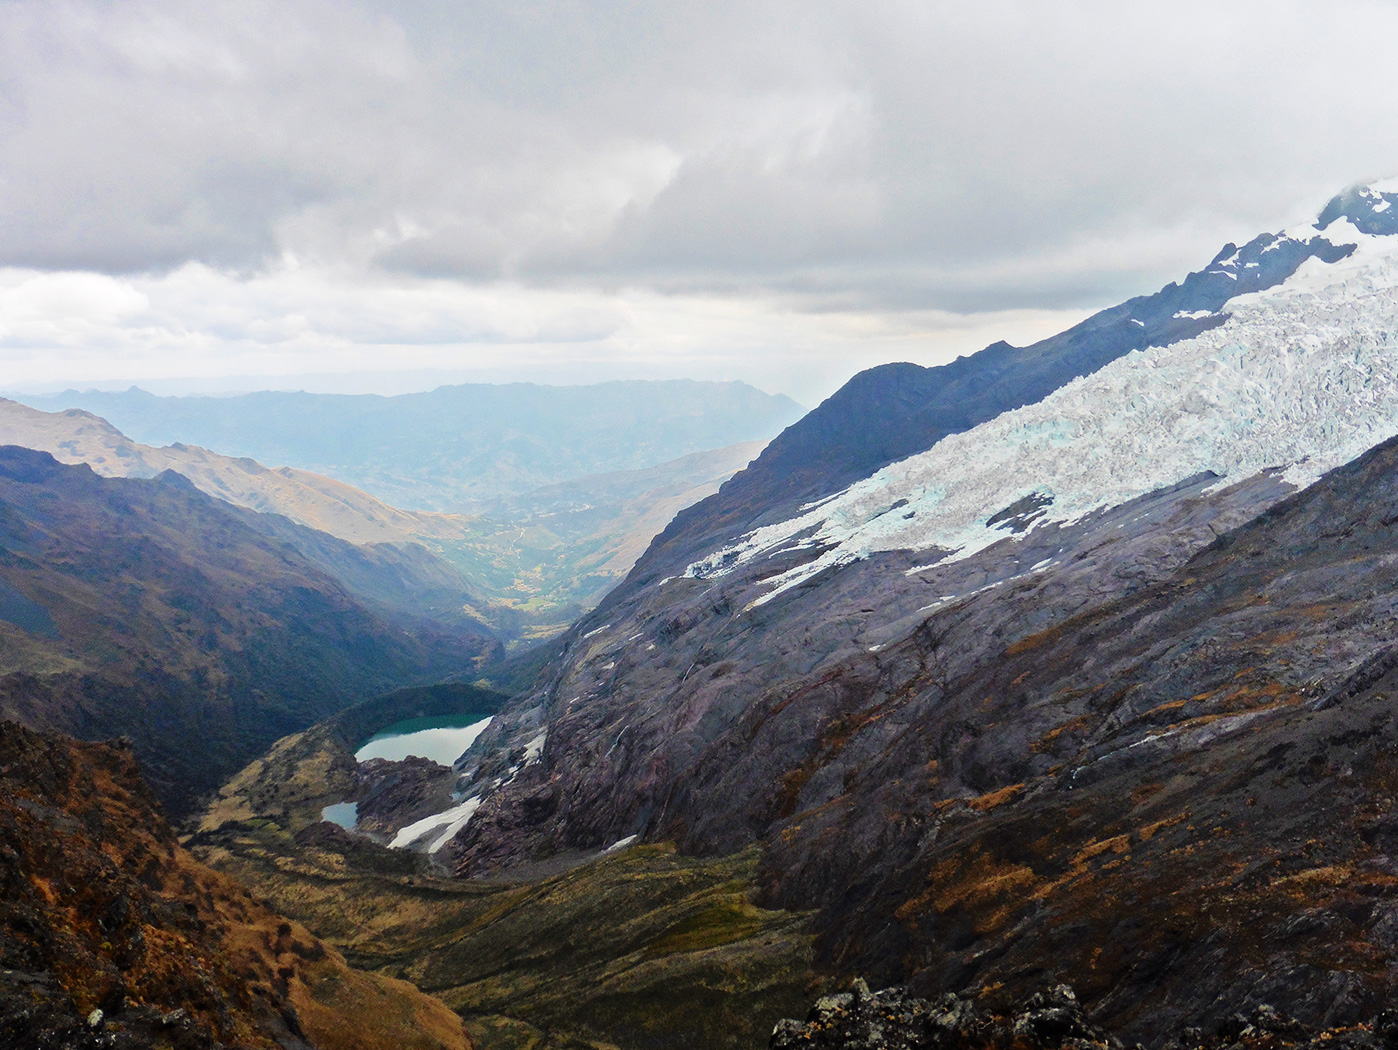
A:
382, 197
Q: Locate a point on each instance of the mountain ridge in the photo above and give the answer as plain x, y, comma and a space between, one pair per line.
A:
916, 717
523, 566
145, 607
907, 408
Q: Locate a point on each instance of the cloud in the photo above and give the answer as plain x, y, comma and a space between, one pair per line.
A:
823, 158
682, 143
303, 326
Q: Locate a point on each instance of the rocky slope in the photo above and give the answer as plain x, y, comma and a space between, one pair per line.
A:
144, 607
111, 935
1089, 692
1052, 1019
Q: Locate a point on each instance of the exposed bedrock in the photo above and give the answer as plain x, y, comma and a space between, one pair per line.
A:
1148, 753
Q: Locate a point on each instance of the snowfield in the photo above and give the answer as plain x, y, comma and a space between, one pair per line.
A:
1302, 378
449, 822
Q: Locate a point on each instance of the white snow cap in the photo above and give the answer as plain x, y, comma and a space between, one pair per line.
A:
1303, 376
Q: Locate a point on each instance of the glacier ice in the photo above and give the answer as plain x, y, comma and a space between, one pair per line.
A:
1301, 378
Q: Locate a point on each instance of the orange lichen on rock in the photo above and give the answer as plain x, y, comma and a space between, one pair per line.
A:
991, 799
977, 883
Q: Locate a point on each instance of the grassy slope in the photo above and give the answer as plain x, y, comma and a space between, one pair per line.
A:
639, 949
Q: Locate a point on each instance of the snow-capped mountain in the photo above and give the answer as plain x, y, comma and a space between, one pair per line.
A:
1300, 378
1037, 662
1166, 421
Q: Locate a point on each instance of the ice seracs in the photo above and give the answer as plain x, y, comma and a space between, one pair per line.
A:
1302, 378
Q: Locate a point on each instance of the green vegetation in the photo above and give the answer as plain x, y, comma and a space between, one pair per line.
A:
642, 948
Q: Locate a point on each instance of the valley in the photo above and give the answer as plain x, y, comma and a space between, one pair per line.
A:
639, 947
1062, 665
524, 564
145, 608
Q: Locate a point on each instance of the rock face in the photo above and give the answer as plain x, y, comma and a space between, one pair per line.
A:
1120, 725
894, 1019
112, 936
392, 795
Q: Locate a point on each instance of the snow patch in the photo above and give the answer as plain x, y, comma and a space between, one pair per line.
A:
451, 821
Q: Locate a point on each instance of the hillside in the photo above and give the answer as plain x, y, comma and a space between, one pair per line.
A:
111, 935
144, 607
1086, 692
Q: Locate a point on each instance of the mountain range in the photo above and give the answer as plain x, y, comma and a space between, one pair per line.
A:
457, 448
991, 675
143, 607
1063, 665
525, 566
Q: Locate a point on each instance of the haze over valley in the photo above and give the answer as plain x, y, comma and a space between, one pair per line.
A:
539, 545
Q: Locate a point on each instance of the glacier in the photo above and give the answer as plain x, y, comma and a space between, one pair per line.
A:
1301, 378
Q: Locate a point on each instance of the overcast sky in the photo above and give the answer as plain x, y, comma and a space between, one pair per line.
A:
778, 192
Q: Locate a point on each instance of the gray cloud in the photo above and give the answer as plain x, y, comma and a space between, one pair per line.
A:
839, 155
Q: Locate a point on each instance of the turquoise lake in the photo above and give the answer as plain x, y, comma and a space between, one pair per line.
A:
441, 739
344, 814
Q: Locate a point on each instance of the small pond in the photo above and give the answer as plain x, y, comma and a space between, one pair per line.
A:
345, 814
442, 739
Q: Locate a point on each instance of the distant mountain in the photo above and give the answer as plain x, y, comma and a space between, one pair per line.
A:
76, 436
1072, 664
525, 565
201, 630
458, 447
